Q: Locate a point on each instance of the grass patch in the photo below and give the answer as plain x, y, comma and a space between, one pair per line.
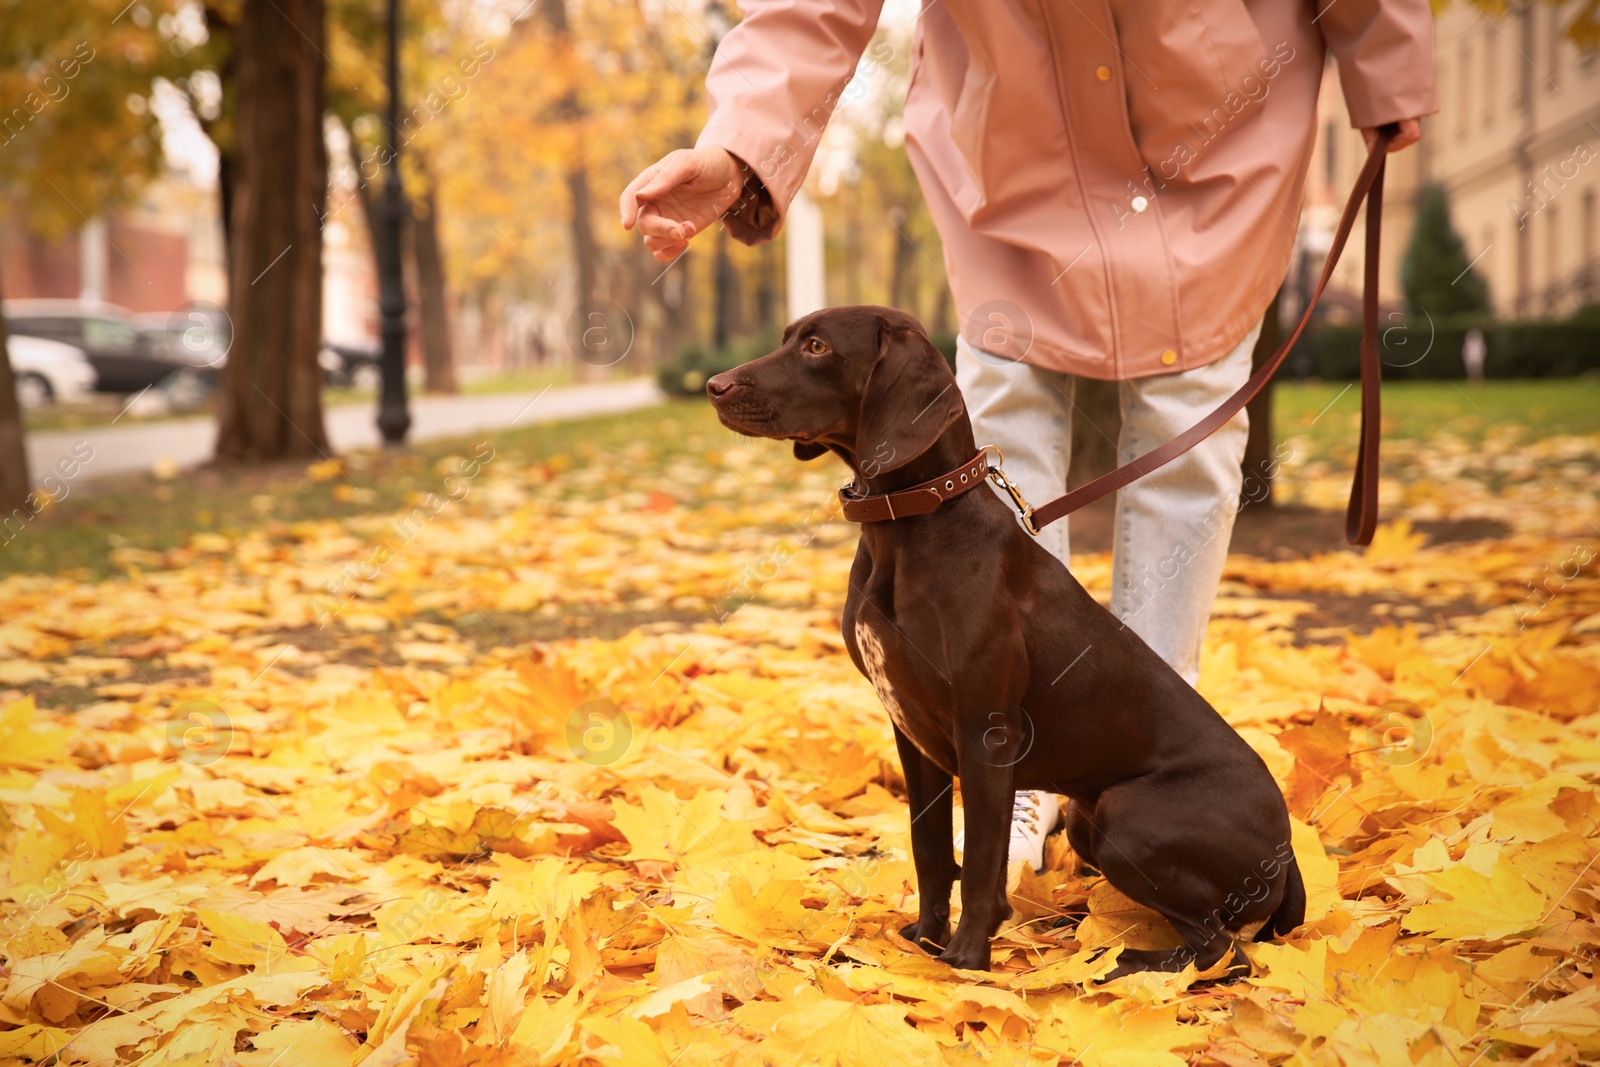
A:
97, 411
521, 381
1329, 413
140, 511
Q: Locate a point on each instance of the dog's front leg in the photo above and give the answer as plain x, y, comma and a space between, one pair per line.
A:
987, 775
929, 792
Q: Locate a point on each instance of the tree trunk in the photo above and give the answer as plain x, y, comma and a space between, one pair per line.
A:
438, 362
648, 354
1259, 463
227, 167
569, 109
767, 324
272, 385
852, 250
585, 253
725, 317
13, 446
668, 291
900, 259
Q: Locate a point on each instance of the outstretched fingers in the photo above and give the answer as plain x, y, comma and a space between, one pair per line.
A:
654, 181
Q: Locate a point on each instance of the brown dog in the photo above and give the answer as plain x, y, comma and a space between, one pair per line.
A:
996, 666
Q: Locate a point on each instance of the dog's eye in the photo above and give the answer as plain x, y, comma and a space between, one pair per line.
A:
816, 346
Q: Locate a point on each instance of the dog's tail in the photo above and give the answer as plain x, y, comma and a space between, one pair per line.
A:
1291, 910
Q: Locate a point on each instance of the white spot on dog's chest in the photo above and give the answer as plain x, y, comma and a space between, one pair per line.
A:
872, 661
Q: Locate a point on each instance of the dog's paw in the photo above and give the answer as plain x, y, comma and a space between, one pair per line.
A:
932, 941
966, 957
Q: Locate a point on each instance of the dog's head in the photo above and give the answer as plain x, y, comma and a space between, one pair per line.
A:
863, 381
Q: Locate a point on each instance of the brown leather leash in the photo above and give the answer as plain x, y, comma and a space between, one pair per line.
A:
1361, 517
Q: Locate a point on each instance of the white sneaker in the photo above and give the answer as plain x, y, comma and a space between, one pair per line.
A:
1034, 814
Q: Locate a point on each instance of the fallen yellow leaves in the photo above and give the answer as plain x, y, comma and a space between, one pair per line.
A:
406, 837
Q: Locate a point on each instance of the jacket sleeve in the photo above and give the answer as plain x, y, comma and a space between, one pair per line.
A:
773, 85
1385, 53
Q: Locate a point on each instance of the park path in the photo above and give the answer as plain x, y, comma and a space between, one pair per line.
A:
137, 447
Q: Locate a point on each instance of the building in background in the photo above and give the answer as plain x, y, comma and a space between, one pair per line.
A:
150, 256
1517, 146
167, 249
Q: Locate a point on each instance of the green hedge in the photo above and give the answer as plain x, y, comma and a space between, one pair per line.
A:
1414, 348
686, 373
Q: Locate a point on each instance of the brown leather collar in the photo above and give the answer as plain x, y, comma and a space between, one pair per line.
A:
923, 499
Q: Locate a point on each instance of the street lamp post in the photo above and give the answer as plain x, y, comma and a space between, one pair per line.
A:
393, 418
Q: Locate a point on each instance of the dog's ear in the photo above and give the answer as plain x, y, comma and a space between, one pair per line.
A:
910, 399
804, 450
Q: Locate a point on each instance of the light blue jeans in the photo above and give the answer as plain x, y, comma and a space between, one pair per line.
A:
1173, 525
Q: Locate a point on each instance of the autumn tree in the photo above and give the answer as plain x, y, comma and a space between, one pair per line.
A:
433, 317
78, 137
569, 109
271, 396
577, 99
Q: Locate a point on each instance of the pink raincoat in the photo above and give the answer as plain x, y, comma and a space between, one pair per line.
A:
1116, 182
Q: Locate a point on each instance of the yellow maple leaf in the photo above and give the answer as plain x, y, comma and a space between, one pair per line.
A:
1394, 541
87, 961
1574, 1018
300, 1041
547, 1026
634, 1041
240, 940
693, 833
34, 1042
26, 742
833, 1033
775, 916
1119, 1034
94, 822
1478, 908
503, 999
1116, 919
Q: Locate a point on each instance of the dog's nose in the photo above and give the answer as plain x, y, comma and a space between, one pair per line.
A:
719, 386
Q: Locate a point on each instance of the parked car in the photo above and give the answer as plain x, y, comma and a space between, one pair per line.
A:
47, 372
353, 365
124, 361
198, 334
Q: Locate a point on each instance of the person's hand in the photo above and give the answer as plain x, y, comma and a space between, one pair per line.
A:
681, 196
1410, 133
